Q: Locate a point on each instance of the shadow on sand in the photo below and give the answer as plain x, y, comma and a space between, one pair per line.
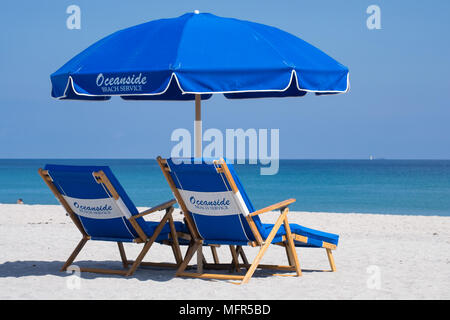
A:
18, 269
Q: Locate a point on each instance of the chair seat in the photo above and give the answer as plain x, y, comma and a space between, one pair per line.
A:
315, 237
149, 228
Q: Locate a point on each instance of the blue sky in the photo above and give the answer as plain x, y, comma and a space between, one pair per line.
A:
397, 107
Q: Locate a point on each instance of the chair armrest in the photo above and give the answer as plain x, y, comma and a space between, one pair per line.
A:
159, 207
279, 205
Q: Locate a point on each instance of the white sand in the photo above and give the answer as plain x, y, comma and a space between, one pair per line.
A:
378, 257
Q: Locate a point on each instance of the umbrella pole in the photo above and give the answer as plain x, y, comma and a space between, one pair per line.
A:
198, 154
198, 127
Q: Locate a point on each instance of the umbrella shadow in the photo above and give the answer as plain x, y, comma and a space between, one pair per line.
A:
27, 268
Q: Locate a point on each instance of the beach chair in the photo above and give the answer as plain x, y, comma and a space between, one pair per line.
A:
218, 211
101, 210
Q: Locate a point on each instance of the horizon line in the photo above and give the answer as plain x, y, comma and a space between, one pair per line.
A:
138, 158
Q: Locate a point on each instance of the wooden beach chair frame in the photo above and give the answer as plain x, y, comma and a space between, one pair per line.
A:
129, 266
287, 240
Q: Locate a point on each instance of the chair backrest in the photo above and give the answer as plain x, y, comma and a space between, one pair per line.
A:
97, 199
215, 199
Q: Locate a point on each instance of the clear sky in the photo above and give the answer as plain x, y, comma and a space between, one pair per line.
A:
398, 106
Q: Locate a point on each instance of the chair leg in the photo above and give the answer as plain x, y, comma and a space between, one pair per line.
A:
288, 254
178, 259
265, 246
190, 245
255, 262
291, 247
192, 249
235, 261
200, 259
74, 254
95, 270
123, 256
214, 254
241, 252
175, 245
149, 242
139, 259
331, 260
252, 268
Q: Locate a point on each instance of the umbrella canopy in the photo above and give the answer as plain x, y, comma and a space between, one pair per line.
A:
198, 54
194, 56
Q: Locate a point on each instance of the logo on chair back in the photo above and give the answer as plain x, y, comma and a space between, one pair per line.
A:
95, 208
218, 204
101, 209
210, 203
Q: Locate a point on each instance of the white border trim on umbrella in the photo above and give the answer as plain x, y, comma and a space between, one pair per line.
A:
71, 81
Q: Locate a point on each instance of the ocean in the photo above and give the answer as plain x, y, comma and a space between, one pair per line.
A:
410, 187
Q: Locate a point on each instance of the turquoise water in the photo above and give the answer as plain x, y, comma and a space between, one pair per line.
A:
413, 187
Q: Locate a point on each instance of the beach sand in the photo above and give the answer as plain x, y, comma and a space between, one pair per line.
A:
378, 257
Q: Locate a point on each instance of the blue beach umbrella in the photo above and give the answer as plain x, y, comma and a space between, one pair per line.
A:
194, 56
